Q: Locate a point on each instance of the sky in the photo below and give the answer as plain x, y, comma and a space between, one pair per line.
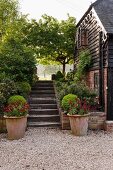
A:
56, 8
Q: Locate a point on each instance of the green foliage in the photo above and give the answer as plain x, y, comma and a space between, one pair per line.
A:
8, 15
16, 99
2, 102
17, 62
70, 76
61, 88
52, 40
59, 76
66, 101
78, 88
7, 88
16, 109
79, 107
23, 88
84, 62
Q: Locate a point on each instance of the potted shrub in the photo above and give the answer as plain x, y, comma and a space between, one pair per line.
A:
65, 109
78, 116
16, 113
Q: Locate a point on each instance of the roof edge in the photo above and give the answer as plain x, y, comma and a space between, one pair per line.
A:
90, 7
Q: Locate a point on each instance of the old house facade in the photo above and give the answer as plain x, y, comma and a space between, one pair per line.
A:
95, 32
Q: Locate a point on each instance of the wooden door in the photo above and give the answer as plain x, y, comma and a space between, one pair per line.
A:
110, 95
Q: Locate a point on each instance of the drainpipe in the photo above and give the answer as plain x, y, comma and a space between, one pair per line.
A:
101, 71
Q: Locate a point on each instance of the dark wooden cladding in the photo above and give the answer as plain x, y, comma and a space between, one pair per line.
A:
105, 54
100, 44
110, 52
93, 38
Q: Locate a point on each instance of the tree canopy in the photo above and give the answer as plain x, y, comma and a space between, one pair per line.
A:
52, 40
17, 61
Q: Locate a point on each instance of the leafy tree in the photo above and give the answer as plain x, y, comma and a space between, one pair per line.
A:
8, 14
16, 60
52, 40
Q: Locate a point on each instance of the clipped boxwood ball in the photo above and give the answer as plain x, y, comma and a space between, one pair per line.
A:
66, 99
16, 98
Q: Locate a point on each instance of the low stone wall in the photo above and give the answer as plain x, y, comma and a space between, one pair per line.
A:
96, 121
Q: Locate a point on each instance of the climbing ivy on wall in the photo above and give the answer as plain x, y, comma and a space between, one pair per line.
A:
83, 64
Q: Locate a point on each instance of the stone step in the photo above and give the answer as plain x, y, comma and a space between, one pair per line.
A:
45, 100
43, 118
36, 95
42, 92
43, 106
43, 85
42, 88
43, 124
43, 112
44, 81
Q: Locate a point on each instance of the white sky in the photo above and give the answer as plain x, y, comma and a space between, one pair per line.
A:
55, 8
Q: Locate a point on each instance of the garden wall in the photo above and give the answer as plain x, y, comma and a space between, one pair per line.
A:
96, 121
90, 83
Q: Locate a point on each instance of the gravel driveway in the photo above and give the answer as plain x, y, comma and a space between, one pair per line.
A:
53, 149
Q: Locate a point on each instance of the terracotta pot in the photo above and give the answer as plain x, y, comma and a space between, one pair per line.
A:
16, 126
2, 124
79, 124
65, 121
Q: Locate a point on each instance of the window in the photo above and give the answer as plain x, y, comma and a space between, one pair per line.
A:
96, 82
84, 37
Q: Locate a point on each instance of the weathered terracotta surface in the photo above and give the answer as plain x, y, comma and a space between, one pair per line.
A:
79, 124
16, 127
2, 124
97, 120
65, 121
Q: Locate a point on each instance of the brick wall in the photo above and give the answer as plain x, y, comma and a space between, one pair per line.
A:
90, 83
90, 78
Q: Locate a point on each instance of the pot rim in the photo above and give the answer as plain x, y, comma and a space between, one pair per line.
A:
77, 115
15, 117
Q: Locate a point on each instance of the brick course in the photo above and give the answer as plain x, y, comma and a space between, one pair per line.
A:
90, 83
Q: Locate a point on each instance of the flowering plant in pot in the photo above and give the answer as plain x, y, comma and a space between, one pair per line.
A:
15, 113
78, 116
16, 109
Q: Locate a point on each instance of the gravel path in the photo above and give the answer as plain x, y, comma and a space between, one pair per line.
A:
53, 149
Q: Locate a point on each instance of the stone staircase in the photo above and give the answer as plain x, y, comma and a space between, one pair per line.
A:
43, 106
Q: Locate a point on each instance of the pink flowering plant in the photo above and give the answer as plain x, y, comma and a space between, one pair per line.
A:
79, 107
16, 109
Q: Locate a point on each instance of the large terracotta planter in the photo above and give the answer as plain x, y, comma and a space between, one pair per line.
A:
2, 124
16, 127
65, 121
79, 124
